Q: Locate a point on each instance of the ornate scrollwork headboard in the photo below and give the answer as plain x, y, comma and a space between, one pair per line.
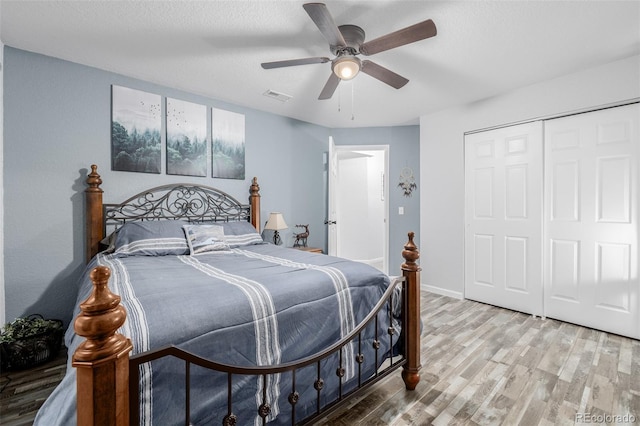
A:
194, 203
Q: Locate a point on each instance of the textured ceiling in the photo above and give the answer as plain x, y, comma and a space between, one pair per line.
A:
214, 48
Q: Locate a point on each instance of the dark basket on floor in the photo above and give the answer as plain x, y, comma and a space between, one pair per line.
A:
33, 350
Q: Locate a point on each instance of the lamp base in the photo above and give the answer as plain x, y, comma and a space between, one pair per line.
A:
276, 238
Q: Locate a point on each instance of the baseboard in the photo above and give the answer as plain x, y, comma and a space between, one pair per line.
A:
442, 291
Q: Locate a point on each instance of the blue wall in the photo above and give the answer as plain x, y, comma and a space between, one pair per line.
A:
57, 123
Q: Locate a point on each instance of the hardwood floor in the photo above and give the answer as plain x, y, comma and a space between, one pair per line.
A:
481, 365
23, 392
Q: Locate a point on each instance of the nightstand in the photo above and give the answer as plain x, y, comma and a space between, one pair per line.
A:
310, 249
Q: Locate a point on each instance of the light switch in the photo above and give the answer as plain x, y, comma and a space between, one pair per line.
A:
400, 210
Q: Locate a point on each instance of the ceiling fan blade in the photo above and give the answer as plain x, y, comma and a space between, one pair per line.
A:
416, 32
294, 62
330, 87
324, 21
381, 73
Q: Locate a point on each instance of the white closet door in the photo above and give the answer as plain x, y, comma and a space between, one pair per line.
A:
503, 215
591, 219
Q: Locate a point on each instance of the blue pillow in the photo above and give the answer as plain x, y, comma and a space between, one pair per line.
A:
151, 238
239, 234
205, 238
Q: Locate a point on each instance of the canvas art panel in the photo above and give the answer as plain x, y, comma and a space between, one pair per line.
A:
228, 144
186, 138
136, 121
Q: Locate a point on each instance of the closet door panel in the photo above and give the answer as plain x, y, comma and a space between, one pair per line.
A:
503, 216
591, 219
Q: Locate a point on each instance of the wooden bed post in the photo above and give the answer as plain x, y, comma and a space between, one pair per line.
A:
94, 213
411, 272
254, 200
102, 361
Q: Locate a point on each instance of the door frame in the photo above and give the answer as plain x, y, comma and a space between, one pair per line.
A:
333, 183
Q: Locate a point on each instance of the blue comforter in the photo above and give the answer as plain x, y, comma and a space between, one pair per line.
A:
255, 305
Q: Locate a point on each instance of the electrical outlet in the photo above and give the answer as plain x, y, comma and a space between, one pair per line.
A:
400, 210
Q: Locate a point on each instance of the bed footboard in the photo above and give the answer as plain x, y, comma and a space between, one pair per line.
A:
411, 314
103, 362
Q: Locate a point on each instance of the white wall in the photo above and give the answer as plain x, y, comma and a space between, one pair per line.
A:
375, 206
360, 193
2, 307
352, 175
442, 162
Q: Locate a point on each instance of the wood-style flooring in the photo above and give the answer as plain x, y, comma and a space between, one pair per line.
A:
23, 392
481, 365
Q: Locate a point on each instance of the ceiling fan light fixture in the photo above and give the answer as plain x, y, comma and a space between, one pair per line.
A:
346, 67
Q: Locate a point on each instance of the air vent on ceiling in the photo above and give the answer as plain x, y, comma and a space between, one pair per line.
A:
277, 95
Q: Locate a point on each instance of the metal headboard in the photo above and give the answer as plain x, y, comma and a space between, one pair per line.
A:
193, 203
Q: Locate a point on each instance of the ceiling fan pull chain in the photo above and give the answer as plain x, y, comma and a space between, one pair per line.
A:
353, 84
339, 98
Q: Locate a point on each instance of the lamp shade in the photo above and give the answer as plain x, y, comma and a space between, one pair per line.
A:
276, 222
346, 67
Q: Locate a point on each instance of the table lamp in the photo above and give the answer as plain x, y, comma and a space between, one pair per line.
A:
276, 223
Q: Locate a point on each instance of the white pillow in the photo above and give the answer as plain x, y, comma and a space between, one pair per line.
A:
205, 238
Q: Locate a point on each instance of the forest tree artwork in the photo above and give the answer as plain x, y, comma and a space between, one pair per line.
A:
186, 138
135, 130
227, 134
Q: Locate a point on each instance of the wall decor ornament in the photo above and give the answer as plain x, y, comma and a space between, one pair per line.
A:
135, 130
227, 139
407, 181
186, 138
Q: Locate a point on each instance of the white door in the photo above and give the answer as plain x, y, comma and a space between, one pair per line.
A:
358, 206
332, 181
503, 217
591, 213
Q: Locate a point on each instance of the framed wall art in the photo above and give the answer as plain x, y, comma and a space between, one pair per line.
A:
135, 130
186, 138
227, 139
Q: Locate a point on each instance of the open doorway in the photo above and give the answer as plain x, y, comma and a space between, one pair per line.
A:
358, 203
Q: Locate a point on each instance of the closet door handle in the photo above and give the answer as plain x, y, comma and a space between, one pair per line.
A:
329, 222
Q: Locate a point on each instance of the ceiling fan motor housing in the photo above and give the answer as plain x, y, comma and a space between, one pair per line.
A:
354, 36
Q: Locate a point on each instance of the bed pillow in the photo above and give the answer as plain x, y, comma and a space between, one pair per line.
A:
205, 238
151, 238
239, 234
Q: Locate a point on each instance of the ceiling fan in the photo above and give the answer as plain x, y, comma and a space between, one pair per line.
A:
347, 41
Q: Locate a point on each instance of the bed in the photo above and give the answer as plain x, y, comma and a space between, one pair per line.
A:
186, 316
